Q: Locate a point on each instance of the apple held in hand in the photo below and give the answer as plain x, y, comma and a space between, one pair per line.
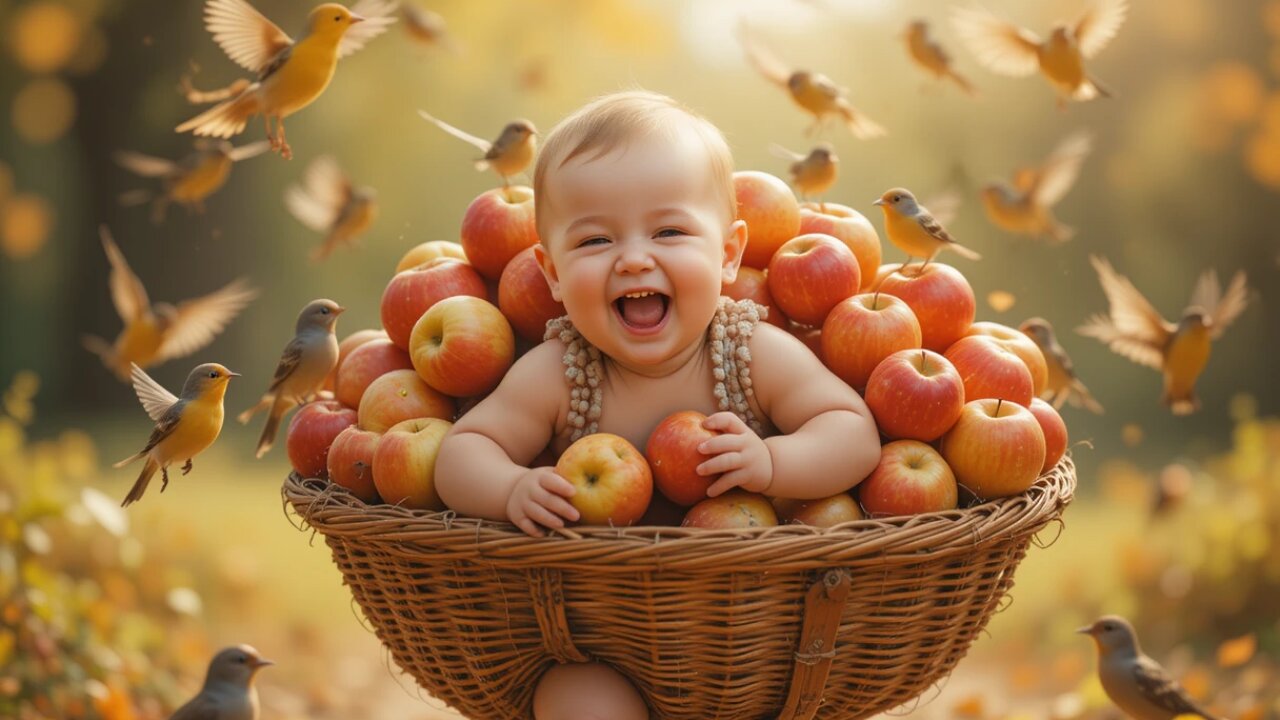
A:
412, 292
809, 274
311, 432
860, 332
612, 482
995, 449
1019, 344
911, 478
462, 346
525, 298
350, 462
752, 284
428, 251
849, 227
939, 296
990, 370
672, 451
398, 396
736, 508
915, 395
771, 212
365, 364
404, 465
1055, 433
824, 513
496, 226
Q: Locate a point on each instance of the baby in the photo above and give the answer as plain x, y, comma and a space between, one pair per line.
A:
636, 213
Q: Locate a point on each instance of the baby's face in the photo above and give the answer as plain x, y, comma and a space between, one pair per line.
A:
638, 243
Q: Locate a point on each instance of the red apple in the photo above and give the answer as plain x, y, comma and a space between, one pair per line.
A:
350, 462
1055, 432
672, 451
862, 331
349, 343
412, 292
939, 296
824, 513
612, 481
990, 370
995, 449
497, 225
734, 509
809, 274
428, 251
462, 346
911, 478
525, 298
752, 284
915, 395
1022, 346
771, 212
404, 465
398, 396
848, 226
365, 364
311, 432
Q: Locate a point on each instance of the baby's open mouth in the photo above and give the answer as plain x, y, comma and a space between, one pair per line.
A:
642, 310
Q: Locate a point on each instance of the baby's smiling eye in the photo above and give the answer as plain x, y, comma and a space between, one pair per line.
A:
597, 240
670, 232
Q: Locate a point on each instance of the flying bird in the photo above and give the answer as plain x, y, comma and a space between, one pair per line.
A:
1180, 351
426, 27
812, 174
1026, 206
1138, 685
154, 334
228, 692
509, 155
1063, 385
290, 74
328, 203
914, 230
929, 56
1008, 49
187, 181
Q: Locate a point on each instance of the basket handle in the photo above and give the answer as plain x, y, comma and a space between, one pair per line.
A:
823, 608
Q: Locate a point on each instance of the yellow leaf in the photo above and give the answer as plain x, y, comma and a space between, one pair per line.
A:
971, 707
1237, 651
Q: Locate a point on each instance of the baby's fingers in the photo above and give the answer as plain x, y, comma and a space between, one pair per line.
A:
528, 526
720, 444
724, 462
545, 517
558, 505
726, 482
555, 483
724, 421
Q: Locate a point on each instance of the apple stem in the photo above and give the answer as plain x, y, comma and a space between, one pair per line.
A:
875, 299
999, 401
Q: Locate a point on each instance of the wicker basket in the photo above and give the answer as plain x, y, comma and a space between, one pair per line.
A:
785, 622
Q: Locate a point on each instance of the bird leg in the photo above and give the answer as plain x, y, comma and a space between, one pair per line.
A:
187, 467
286, 152
164, 478
266, 120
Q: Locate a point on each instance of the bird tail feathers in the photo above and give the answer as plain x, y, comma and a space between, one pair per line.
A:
263, 404
1081, 397
225, 119
129, 459
963, 82
862, 127
140, 485
268, 438
965, 252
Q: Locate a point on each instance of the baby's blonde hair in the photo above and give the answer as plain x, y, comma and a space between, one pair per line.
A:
610, 121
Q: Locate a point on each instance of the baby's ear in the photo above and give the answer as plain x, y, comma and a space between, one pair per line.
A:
548, 270
735, 243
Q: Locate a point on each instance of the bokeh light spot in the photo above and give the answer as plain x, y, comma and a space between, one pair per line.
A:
1232, 91
43, 111
25, 223
44, 36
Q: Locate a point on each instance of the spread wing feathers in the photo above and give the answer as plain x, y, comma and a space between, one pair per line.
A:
1222, 309
378, 16
154, 398
1163, 691
198, 321
1099, 24
944, 206
127, 292
1133, 329
145, 165
244, 152
484, 145
998, 44
780, 152
244, 34
1061, 169
760, 57
324, 191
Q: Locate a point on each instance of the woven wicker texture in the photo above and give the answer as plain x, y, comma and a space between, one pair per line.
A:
785, 622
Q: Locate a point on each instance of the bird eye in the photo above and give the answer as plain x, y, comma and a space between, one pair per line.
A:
337, 18
213, 373
896, 198
324, 311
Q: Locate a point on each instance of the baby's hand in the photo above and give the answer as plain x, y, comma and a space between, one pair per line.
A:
739, 453
538, 498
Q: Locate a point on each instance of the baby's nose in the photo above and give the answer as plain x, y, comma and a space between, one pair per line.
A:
633, 259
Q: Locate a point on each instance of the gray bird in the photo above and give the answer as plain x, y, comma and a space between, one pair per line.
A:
305, 363
1134, 682
228, 692
1063, 385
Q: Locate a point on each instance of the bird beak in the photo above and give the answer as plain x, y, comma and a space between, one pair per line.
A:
233, 374
879, 201
339, 311
357, 18
262, 662
1086, 630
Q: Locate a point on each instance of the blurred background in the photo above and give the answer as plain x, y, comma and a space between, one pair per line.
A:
114, 615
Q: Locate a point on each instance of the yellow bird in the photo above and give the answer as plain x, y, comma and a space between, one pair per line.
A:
426, 27
914, 230
154, 334
509, 155
1008, 49
1133, 329
187, 181
1063, 385
305, 363
291, 75
929, 56
813, 92
328, 203
1026, 207
185, 425
812, 174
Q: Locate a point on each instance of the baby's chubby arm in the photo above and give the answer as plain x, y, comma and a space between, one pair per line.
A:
482, 470
829, 441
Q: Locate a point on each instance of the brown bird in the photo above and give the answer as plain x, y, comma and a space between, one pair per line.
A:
228, 692
814, 92
328, 203
1026, 207
426, 27
1135, 683
187, 181
812, 174
154, 334
929, 56
509, 155
1063, 385
1133, 329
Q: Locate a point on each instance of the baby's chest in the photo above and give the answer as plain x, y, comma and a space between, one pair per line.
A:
632, 411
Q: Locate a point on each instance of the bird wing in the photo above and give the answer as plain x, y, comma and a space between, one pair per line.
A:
197, 321
781, 152
324, 190
145, 165
154, 398
999, 45
289, 361
944, 206
244, 152
200, 707
1061, 169
1221, 309
1134, 329
127, 292
244, 34
484, 145
762, 59
378, 16
826, 86
1099, 24
309, 211
1163, 691
933, 227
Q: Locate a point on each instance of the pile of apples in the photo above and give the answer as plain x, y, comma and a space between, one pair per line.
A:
956, 401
